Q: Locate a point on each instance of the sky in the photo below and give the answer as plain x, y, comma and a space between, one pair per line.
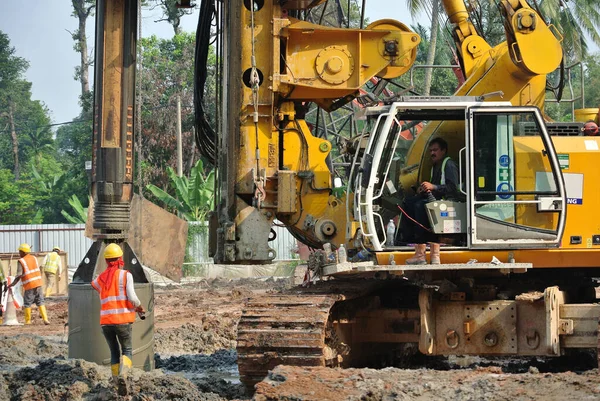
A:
39, 30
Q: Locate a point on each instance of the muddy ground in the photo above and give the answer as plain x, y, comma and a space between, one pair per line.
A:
196, 360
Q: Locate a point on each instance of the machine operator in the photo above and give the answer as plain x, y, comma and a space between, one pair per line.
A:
443, 184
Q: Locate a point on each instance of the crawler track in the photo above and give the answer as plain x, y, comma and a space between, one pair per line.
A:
282, 330
290, 329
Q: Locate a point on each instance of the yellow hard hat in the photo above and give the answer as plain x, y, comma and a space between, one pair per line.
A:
57, 249
25, 248
113, 251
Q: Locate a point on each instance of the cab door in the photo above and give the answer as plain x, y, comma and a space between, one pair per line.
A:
516, 191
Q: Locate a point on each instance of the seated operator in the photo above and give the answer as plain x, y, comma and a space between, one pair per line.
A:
415, 227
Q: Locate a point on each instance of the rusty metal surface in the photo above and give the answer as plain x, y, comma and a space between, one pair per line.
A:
158, 237
584, 318
282, 329
292, 327
491, 328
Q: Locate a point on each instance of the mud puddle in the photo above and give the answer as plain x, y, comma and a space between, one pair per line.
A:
216, 373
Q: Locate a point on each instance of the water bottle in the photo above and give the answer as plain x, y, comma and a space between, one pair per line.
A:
390, 231
342, 256
362, 256
329, 254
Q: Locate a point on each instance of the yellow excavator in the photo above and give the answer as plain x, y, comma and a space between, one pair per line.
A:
518, 267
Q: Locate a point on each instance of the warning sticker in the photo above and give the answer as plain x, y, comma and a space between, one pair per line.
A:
452, 226
563, 160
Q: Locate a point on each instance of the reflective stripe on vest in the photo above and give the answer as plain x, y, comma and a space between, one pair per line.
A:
32, 277
115, 308
51, 265
443, 179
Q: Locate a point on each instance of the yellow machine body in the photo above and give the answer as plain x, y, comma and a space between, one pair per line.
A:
514, 70
280, 167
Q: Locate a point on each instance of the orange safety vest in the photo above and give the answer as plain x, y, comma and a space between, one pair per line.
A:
32, 277
115, 308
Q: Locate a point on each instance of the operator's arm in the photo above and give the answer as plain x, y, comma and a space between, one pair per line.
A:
448, 189
131, 295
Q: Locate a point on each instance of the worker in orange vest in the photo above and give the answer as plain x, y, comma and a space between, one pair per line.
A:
28, 271
118, 305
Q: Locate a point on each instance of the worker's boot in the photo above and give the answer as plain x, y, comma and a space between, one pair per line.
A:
125, 368
434, 253
48, 291
27, 315
114, 370
419, 257
44, 314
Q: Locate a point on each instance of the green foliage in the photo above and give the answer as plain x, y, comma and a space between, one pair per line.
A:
592, 80
17, 202
194, 196
81, 213
444, 81
74, 147
37, 142
166, 72
20, 116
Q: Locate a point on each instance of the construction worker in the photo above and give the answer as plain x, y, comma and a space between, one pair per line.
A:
28, 271
118, 305
52, 269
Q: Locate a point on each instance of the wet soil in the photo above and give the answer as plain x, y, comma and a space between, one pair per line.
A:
195, 337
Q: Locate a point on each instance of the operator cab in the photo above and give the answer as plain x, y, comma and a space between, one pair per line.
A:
511, 190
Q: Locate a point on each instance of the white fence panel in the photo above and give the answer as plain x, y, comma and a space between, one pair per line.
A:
42, 237
71, 239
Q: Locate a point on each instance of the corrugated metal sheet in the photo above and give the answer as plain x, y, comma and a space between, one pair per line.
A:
42, 237
70, 238
197, 252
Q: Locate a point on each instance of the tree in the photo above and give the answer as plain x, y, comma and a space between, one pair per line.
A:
194, 196
17, 203
171, 13
82, 10
415, 7
592, 81
166, 71
12, 69
37, 142
74, 148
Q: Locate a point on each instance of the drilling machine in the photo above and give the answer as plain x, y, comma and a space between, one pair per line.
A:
517, 276
112, 185
269, 163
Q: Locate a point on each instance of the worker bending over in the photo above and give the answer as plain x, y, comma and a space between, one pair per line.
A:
118, 305
52, 269
443, 184
28, 271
